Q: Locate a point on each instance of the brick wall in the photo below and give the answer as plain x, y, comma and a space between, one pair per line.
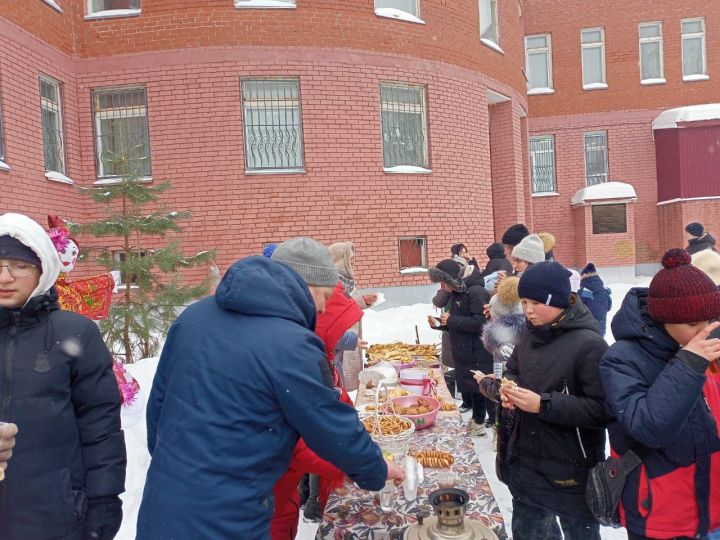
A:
196, 134
617, 249
631, 159
620, 20
674, 216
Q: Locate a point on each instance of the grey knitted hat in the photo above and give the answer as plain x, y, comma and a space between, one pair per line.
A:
530, 249
310, 259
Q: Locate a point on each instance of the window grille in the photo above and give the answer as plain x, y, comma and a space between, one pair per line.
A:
408, 6
542, 163
489, 21
273, 125
609, 218
593, 56
404, 125
52, 124
122, 137
596, 158
693, 47
95, 6
538, 58
412, 252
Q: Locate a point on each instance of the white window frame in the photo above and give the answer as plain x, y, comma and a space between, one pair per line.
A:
265, 4
654, 39
423, 268
408, 169
532, 165
593, 45
110, 13
3, 166
399, 14
50, 106
547, 50
607, 155
697, 76
119, 112
495, 11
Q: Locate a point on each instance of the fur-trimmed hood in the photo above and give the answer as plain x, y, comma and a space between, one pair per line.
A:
502, 332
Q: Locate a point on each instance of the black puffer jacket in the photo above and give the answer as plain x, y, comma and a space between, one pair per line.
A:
695, 245
550, 453
498, 261
465, 326
58, 387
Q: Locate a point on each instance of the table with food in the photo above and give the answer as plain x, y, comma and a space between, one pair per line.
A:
415, 420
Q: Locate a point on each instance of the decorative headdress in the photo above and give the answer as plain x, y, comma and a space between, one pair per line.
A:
66, 246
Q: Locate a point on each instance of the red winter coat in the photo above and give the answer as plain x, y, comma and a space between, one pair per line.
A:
340, 314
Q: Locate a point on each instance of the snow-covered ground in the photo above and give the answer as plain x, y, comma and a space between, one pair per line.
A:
396, 324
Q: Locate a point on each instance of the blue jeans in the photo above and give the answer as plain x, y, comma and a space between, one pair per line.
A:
530, 522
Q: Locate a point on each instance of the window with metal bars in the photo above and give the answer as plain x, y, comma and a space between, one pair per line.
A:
122, 136
95, 6
596, 158
542, 164
412, 252
404, 125
273, 125
52, 124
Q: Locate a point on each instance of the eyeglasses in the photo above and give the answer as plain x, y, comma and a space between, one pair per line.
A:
19, 269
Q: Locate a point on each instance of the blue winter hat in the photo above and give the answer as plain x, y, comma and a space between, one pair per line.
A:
588, 271
546, 282
695, 229
12, 248
268, 250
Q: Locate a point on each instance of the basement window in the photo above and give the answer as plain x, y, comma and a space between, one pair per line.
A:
412, 252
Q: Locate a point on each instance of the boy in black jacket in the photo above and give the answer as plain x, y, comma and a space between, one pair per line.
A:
558, 432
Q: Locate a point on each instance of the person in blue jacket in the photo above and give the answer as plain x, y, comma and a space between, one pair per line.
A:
241, 377
595, 295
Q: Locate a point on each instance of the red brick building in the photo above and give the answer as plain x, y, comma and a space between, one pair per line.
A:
402, 125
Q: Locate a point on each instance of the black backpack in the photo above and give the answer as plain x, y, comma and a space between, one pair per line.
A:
605, 485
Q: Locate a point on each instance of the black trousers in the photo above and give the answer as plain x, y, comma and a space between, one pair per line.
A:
530, 522
482, 406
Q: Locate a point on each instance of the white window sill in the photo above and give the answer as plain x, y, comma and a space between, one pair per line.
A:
58, 177
120, 288
275, 4
116, 180
52, 4
649, 82
276, 171
595, 86
399, 14
546, 194
112, 13
690, 78
407, 169
4, 166
540, 91
490, 43
414, 270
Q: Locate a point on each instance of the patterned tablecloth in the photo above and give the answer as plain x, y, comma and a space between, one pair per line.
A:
352, 513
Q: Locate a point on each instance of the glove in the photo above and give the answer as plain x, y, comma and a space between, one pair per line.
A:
103, 518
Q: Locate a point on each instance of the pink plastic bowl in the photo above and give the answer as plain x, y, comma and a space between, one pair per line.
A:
421, 421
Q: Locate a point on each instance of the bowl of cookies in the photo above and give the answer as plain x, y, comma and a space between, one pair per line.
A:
420, 410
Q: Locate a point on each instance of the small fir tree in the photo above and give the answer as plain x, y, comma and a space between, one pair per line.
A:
139, 320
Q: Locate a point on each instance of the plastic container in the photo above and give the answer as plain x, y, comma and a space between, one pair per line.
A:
416, 380
421, 421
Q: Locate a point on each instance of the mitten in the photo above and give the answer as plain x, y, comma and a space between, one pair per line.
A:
103, 518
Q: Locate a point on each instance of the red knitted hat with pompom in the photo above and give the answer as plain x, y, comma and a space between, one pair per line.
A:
681, 293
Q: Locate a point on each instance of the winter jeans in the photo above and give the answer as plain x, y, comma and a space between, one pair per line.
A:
480, 406
530, 522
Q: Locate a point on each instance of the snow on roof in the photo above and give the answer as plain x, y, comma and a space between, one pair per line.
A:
693, 113
605, 191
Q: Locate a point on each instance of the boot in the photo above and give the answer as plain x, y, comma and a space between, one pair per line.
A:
475, 430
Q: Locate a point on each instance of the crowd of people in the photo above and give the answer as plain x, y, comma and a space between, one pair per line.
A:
250, 393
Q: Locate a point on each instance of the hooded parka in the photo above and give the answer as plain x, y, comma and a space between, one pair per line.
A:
241, 377
58, 387
667, 409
